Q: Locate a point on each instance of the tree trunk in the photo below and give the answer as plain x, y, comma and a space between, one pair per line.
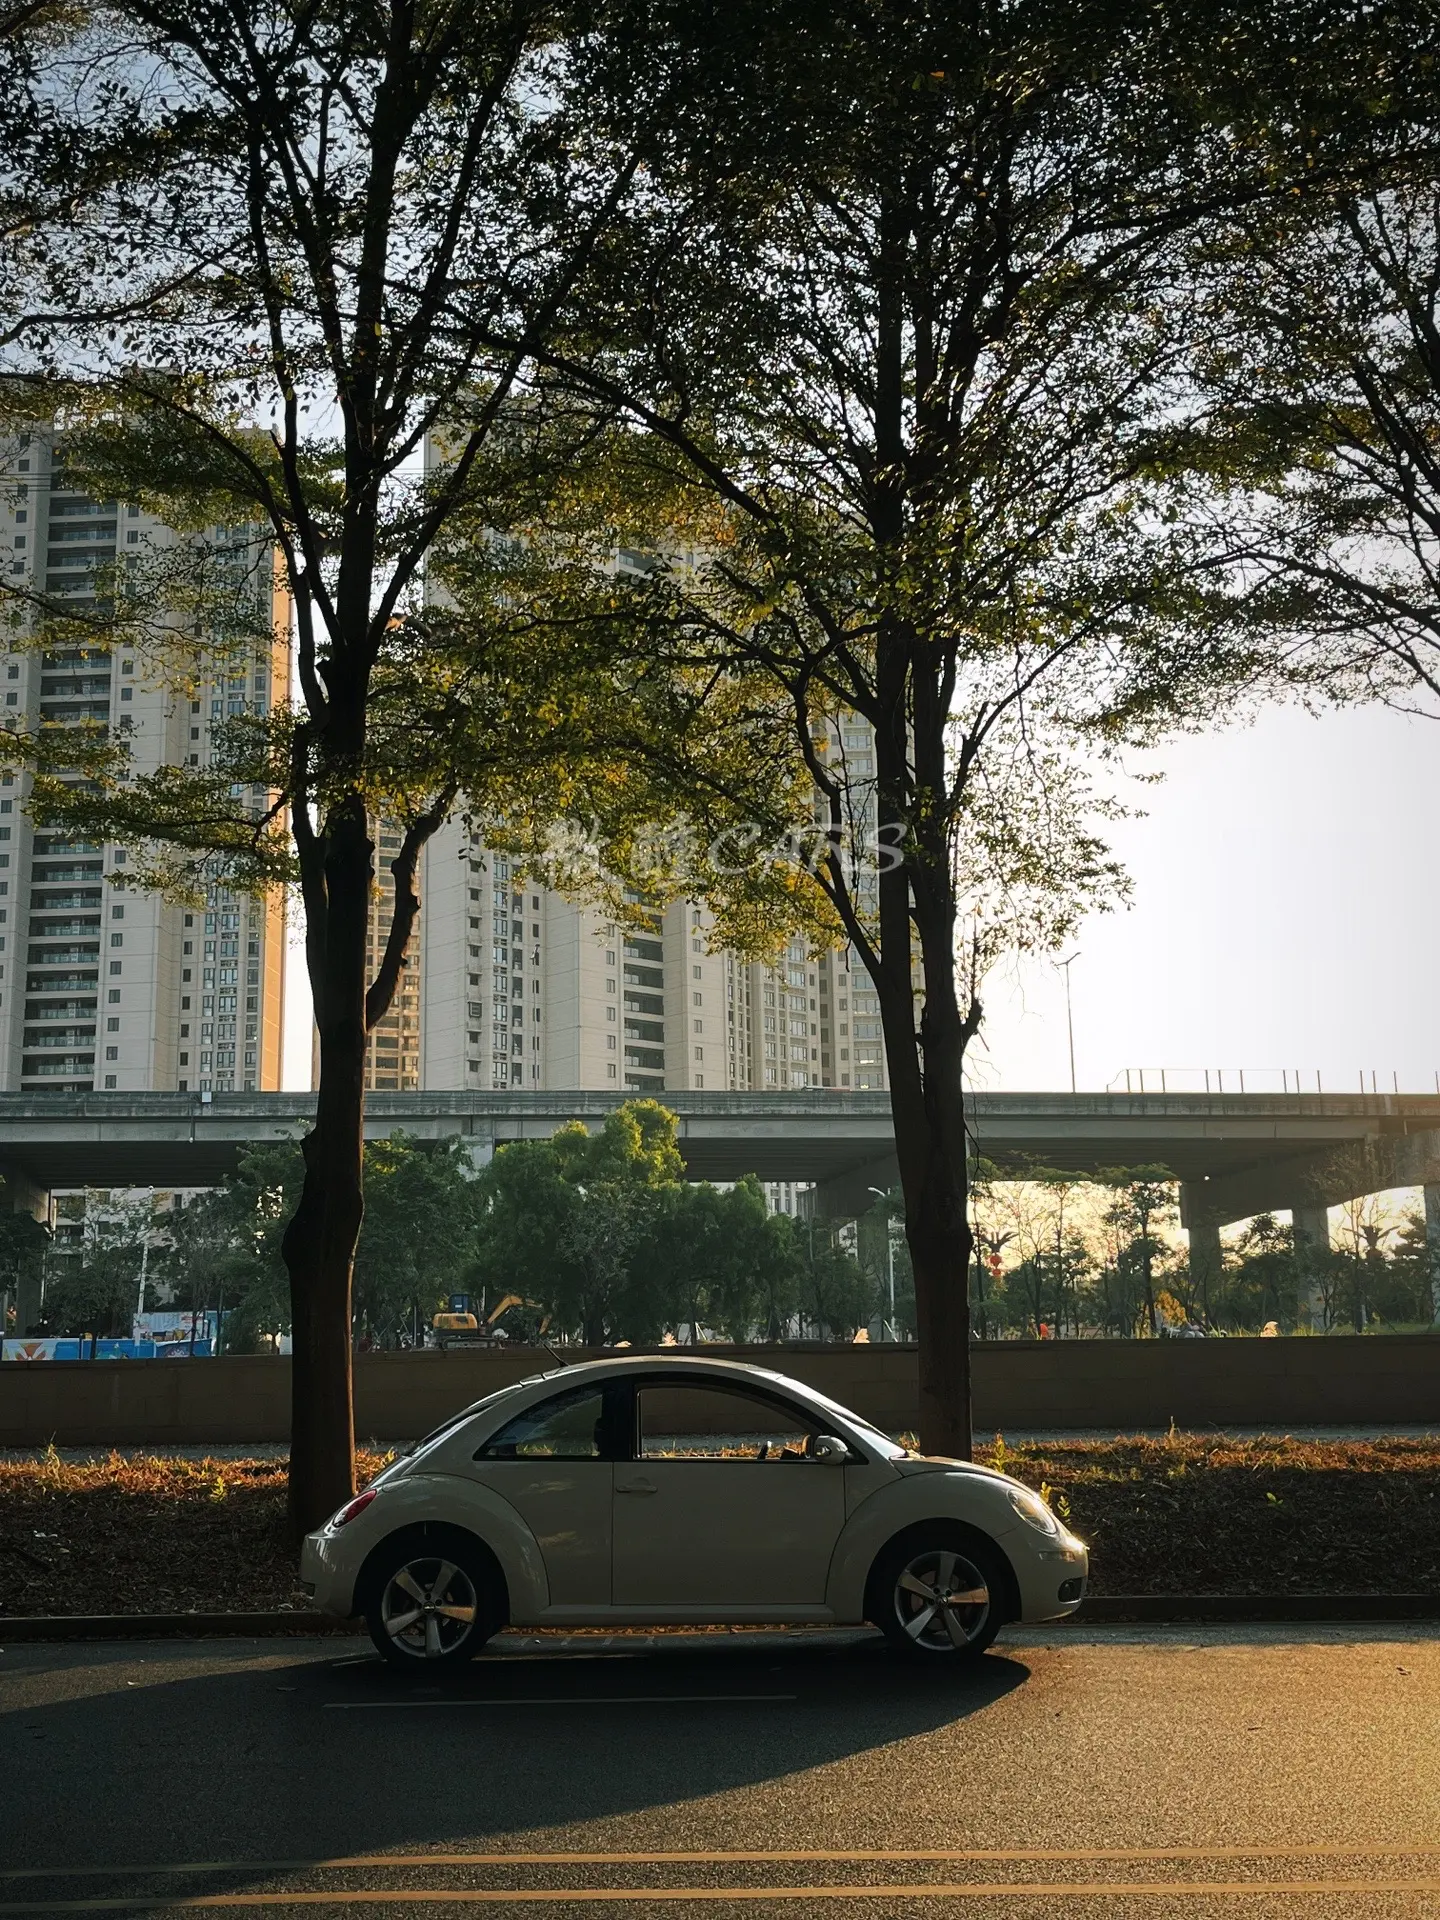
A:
1152, 1312
932, 1147
933, 1177
319, 1244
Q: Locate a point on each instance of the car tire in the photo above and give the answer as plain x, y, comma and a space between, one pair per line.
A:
432, 1600
939, 1593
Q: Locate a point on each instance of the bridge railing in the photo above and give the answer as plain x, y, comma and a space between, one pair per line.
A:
1258, 1080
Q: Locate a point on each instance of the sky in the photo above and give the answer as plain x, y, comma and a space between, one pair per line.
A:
1285, 914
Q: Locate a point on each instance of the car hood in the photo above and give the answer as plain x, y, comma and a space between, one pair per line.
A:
937, 1463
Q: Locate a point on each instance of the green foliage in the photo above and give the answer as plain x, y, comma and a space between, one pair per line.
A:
93, 1284
834, 1294
600, 1229
226, 1246
417, 1240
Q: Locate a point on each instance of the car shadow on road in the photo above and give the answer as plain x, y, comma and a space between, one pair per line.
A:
333, 1753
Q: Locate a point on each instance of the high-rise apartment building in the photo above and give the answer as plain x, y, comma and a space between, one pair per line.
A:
515, 985
510, 984
104, 987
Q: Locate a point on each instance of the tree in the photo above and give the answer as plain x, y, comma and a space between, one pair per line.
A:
1323, 363
567, 1221
419, 1234
341, 231
226, 1247
1143, 1202
417, 1241
1265, 1283
834, 1293
95, 1287
727, 1261
897, 409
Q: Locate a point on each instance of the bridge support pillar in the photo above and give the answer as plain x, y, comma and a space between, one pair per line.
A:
850, 1195
1203, 1232
28, 1304
22, 1194
1432, 1243
25, 1197
1311, 1227
481, 1151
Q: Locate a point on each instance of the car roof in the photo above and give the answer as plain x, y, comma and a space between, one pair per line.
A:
653, 1362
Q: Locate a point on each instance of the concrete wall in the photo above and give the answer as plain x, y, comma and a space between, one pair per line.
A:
1112, 1385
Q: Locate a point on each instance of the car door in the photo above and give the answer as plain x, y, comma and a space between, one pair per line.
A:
721, 1506
553, 1464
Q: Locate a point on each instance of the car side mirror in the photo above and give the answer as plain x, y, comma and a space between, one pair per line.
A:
829, 1450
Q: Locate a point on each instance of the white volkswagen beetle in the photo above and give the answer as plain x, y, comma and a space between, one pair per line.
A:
652, 1491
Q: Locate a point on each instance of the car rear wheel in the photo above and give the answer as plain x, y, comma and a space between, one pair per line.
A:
938, 1597
432, 1605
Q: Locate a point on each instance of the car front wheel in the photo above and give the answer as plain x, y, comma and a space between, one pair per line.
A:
939, 1597
431, 1605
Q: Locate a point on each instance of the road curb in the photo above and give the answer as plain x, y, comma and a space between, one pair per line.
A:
165, 1626
1098, 1611
1133, 1609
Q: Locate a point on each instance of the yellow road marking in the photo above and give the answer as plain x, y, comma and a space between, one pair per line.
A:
556, 1896
798, 1856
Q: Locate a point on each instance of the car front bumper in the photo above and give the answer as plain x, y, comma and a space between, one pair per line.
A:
1051, 1576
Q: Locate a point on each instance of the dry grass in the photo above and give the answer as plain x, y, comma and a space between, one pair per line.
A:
1193, 1514
1184, 1515
147, 1536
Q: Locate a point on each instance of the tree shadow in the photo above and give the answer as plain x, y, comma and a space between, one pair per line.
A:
142, 1758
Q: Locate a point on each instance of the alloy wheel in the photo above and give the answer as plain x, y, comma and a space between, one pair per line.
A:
428, 1608
942, 1601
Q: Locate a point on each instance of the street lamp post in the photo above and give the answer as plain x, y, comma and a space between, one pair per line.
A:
880, 1194
1069, 1018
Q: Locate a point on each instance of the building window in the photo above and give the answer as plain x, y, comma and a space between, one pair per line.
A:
610, 1071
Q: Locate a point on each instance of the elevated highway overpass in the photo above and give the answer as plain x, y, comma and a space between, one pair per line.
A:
1235, 1154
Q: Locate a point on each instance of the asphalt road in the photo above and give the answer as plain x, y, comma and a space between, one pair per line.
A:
1148, 1772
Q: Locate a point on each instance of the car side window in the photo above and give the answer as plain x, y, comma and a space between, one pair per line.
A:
568, 1426
715, 1423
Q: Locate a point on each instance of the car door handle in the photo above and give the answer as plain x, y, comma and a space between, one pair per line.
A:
636, 1486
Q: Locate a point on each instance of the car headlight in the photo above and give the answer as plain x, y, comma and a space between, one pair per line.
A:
1033, 1510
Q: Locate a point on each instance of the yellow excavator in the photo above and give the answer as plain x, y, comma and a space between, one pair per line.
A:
453, 1329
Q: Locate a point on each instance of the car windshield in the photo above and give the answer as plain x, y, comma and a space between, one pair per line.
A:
882, 1442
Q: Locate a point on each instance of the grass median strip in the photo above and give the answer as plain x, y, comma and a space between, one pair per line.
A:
1191, 1514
